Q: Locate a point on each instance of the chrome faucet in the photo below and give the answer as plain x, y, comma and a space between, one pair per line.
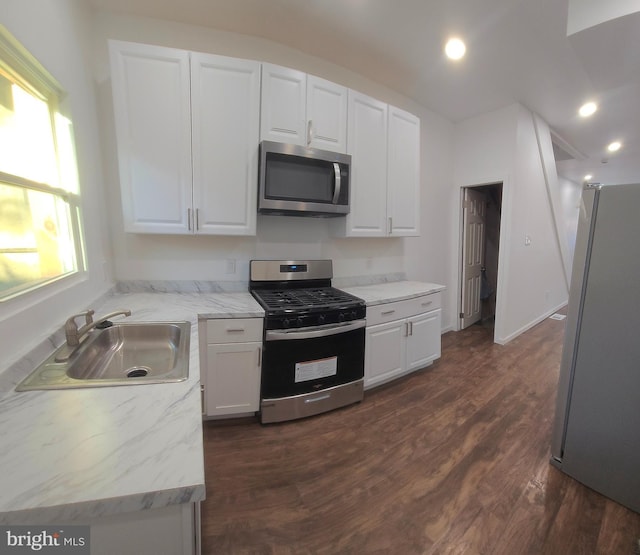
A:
74, 334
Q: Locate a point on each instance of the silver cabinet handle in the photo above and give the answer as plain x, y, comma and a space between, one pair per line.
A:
189, 218
387, 312
234, 330
197, 226
309, 132
427, 303
259, 357
390, 226
338, 183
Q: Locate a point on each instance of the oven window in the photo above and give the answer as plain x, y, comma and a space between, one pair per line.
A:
298, 366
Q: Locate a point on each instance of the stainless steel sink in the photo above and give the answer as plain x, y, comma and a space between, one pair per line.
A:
124, 354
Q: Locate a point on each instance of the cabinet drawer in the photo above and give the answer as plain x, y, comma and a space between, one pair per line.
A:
427, 303
234, 330
398, 310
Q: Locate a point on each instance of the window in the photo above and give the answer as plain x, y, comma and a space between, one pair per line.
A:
39, 198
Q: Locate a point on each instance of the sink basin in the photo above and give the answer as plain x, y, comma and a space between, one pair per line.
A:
126, 353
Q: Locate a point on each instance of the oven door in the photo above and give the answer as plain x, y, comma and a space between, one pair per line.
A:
300, 361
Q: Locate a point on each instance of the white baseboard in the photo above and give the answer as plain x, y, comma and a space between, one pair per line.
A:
526, 327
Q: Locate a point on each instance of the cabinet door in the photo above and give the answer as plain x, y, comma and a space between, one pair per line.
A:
403, 175
225, 97
367, 144
283, 105
326, 114
384, 352
232, 383
153, 127
423, 339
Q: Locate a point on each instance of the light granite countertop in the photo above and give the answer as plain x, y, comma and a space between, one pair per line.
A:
84, 453
380, 293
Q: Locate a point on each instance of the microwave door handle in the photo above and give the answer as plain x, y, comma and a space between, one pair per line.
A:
338, 183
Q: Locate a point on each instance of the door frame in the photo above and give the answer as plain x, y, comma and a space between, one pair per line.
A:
502, 253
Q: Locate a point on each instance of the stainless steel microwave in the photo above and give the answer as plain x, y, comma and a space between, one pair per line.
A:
299, 181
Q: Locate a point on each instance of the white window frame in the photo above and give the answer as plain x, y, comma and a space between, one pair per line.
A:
24, 69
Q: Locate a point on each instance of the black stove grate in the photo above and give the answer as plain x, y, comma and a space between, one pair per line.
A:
303, 298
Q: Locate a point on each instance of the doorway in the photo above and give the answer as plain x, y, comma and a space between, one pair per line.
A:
481, 208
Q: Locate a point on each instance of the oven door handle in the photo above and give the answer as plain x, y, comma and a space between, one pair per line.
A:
310, 333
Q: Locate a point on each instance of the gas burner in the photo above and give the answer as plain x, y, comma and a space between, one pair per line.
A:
298, 294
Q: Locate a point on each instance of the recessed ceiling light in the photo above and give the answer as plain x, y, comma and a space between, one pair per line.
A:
455, 48
588, 109
588, 177
614, 146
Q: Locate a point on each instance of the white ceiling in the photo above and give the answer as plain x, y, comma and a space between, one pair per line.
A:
517, 51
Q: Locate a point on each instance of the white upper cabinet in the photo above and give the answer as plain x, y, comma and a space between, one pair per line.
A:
187, 127
225, 97
283, 106
384, 143
326, 115
302, 109
153, 129
367, 144
403, 173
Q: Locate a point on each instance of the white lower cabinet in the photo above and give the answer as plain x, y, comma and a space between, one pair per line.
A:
171, 530
231, 351
402, 336
423, 341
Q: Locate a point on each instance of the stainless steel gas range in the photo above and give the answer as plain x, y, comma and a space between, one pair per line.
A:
313, 346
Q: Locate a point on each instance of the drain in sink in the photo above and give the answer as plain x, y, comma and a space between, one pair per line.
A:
137, 372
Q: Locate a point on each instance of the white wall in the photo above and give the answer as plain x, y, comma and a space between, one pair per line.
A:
56, 33
502, 146
205, 258
484, 153
583, 14
535, 277
570, 195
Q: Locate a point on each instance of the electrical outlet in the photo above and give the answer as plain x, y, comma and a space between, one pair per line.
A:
527, 240
231, 266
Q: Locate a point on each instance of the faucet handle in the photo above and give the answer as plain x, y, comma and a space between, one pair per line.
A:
71, 328
88, 315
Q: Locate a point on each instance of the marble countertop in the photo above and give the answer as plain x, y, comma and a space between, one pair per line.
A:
381, 293
85, 453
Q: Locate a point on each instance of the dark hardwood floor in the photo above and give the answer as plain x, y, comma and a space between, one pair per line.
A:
451, 459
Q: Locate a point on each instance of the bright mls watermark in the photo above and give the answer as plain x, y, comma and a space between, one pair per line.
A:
60, 540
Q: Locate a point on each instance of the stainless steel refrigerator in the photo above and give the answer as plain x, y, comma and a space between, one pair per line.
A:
596, 435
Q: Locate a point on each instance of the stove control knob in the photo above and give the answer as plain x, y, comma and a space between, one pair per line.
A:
299, 322
321, 319
341, 317
354, 315
285, 323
